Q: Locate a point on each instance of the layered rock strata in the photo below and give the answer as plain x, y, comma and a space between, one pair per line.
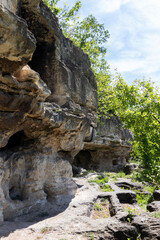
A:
48, 102
109, 149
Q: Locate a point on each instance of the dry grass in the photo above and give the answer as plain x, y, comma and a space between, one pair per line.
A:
101, 209
46, 229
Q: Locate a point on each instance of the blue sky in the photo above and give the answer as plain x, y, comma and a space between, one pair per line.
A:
134, 27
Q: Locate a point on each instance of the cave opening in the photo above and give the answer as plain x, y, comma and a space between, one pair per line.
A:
42, 61
15, 188
83, 159
115, 162
15, 140
39, 58
15, 194
49, 192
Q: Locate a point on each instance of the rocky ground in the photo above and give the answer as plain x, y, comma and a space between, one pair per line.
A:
101, 209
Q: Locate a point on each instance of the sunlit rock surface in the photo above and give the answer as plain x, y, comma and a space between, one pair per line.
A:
48, 102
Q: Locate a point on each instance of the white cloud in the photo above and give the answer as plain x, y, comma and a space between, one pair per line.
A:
144, 66
108, 6
134, 26
126, 65
137, 28
149, 10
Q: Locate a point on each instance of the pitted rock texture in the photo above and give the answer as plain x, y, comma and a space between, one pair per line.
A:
64, 67
46, 112
109, 149
76, 221
17, 42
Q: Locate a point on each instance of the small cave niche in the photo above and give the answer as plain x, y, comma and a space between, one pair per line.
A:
15, 194
115, 162
15, 188
42, 60
48, 192
127, 197
83, 159
15, 140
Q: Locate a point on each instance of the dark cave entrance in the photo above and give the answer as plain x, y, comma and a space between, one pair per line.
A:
38, 61
115, 162
15, 193
16, 187
83, 159
15, 140
43, 62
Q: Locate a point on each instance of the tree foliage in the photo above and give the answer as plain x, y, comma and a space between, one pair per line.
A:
90, 35
138, 107
65, 14
87, 33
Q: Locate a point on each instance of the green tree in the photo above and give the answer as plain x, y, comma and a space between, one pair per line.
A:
90, 35
65, 14
138, 107
87, 34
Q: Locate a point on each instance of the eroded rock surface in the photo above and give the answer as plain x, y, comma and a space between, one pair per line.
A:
64, 67
17, 42
77, 222
109, 149
154, 206
46, 112
48, 103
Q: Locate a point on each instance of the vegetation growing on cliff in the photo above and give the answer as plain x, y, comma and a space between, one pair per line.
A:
138, 105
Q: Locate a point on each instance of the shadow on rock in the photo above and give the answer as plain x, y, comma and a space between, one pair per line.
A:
52, 208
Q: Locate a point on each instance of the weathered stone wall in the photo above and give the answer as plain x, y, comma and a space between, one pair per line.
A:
11, 5
46, 110
64, 67
110, 148
48, 103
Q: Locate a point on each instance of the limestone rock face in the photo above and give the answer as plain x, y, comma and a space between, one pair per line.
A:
109, 149
33, 178
48, 102
17, 42
13, 6
64, 67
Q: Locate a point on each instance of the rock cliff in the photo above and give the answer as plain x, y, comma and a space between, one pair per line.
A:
109, 149
46, 87
48, 103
